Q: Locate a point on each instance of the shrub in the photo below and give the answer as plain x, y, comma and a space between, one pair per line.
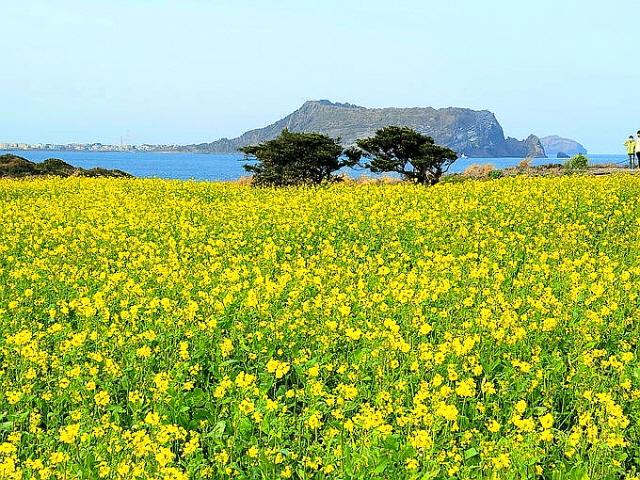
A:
479, 171
12, 165
525, 163
577, 162
55, 166
245, 180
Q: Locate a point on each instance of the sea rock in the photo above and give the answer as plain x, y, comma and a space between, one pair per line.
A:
555, 144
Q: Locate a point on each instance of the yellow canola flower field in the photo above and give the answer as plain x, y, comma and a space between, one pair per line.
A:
172, 330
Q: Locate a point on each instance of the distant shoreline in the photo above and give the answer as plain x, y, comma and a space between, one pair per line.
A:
8, 150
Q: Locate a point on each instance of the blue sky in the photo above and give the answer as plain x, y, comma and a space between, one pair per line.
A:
189, 71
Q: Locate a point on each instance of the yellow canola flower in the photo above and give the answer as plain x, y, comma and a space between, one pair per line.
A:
476, 329
546, 421
447, 411
278, 368
102, 399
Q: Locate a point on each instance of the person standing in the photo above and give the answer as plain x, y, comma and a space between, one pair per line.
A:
638, 148
631, 150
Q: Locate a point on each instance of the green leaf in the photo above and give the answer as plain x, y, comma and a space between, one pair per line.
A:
470, 453
381, 467
218, 429
392, 442
245, 426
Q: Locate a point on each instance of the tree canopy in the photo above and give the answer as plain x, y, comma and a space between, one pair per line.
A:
296, 158
403, 150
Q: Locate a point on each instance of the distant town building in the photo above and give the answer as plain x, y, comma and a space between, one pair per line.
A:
96, 147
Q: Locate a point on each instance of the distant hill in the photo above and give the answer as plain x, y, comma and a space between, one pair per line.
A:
14, 166
470, 132
554, 145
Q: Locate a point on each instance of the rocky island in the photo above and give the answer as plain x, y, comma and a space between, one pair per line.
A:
469, 132
472, 133
555, 145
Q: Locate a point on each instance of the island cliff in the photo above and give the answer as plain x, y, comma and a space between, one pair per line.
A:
469, 132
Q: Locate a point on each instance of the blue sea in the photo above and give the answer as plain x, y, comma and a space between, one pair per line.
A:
199, 166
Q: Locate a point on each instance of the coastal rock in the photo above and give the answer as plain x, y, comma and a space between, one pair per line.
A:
555, 144
531, 147
469, 132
